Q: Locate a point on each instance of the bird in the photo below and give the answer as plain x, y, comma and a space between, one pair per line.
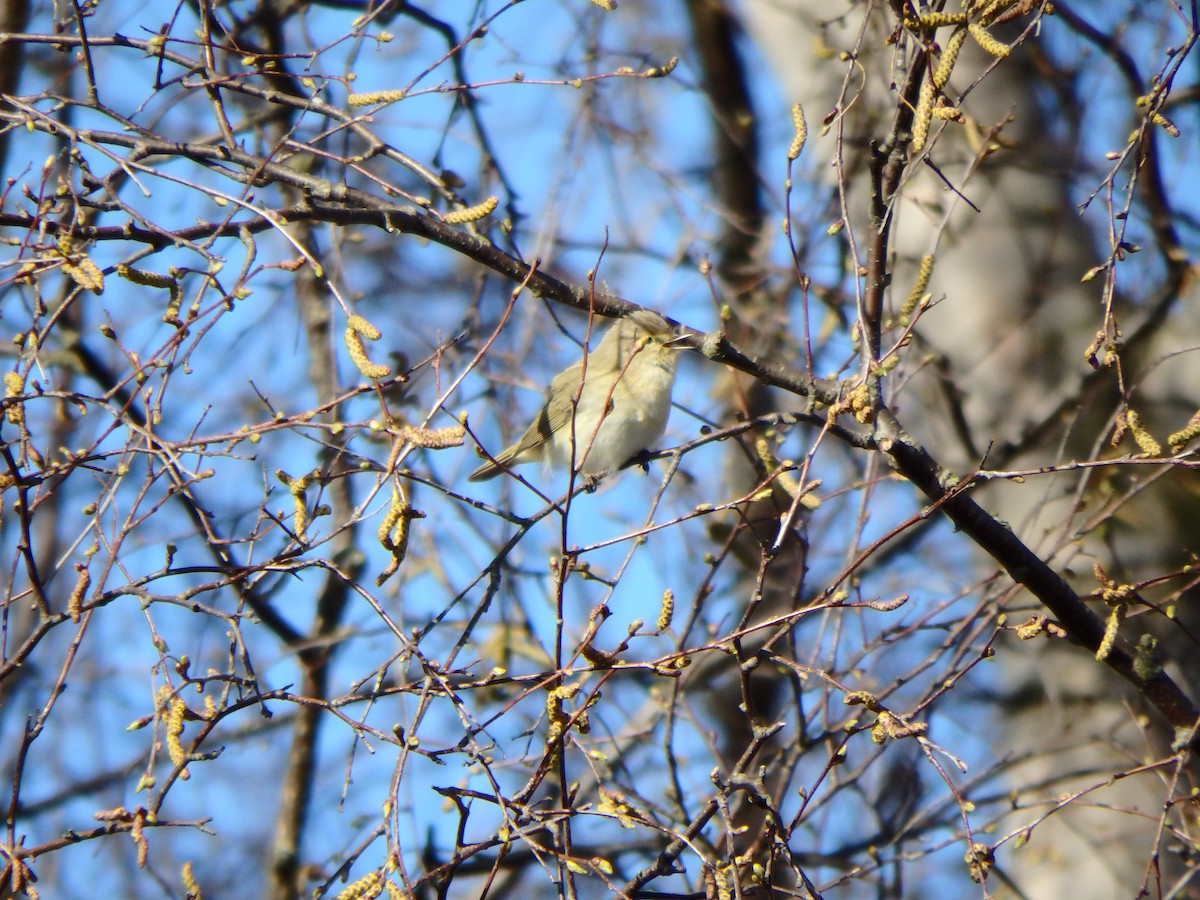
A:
623, 388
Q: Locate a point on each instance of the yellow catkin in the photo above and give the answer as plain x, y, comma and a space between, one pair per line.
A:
1117, 596
472, 213
931, 21
922, 117
662, 71
82, 582
782, 479
1192, 429
986, 41
667, 612
1027, 631
298, 488
1165, 124
721, 878
86, 274
373, 97
863, 698
356, 329
147, 279
390, 518
189, 883
1145, 441
393, 533
359, 325
883, 728
556, 720
609, 5
1110, 633
918, 289
809, 499
980, 860
137, 831
987, 12
366, 888
171, 316
299, 517
432, 438
800, 129
172, 711
14, 385
859, 400
557, 717
941, 75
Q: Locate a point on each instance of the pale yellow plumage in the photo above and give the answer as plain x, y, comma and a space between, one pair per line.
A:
622, 408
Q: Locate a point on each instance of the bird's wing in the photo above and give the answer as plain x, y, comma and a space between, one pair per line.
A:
557, 411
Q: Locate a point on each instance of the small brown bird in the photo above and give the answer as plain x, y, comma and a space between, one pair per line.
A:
624, 400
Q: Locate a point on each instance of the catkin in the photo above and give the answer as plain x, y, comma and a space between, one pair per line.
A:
472, 213
800, 127
356, 329
373, 97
